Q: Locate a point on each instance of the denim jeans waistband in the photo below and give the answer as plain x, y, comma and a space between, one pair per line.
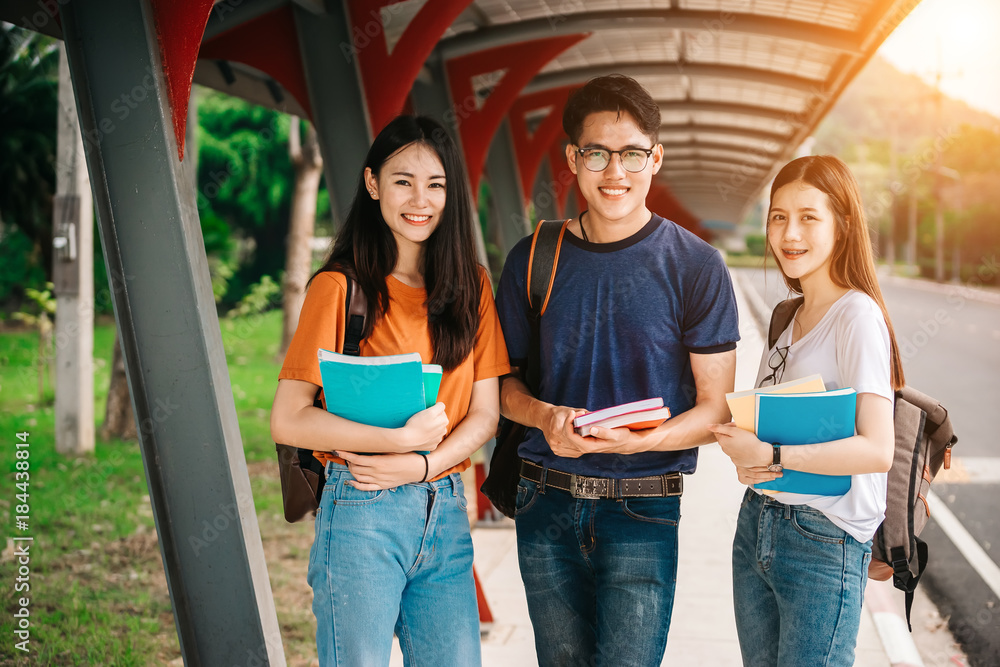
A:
452, 481
768, 501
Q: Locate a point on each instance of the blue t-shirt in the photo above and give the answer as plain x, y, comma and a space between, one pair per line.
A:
621, 322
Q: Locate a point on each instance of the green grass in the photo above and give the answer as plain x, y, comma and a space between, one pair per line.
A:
96, 589
745, 261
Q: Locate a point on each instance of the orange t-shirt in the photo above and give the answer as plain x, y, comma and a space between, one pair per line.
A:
403, 329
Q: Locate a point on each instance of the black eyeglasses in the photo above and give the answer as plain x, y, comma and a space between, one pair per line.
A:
777, 365
598, 159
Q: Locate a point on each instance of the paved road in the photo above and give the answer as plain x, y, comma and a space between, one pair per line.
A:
951, 350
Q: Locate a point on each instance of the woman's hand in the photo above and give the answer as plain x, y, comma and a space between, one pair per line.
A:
741, 446
383, 471
425, 430
758, 475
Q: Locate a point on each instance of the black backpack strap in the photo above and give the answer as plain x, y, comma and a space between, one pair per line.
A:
542, 262
545, 245
357, 310
780, 317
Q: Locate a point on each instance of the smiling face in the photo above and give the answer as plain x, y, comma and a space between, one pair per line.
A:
410, 189
802, 231
615, 197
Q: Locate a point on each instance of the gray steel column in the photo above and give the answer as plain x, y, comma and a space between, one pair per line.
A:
73, 278
546, 194
501, 167
174, 358
338, 104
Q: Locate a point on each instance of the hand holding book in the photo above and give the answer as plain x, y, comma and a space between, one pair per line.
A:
425, 430
634, 416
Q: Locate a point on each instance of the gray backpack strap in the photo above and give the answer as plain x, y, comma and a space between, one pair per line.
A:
780, 317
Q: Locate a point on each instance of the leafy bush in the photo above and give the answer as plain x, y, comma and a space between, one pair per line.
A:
756, 243
259, 299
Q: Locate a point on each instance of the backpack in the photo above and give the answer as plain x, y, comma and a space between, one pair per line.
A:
500, 485
924, 438
302, 475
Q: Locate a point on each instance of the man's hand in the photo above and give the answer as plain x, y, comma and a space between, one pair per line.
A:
615, 440
557, 428
425, 430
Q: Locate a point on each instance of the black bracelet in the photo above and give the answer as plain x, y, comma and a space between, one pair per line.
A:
427, 467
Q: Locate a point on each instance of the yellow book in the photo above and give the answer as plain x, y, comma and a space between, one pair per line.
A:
743, 405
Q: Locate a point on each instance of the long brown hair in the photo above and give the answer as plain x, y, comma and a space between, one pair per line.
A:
366, 248
853, 263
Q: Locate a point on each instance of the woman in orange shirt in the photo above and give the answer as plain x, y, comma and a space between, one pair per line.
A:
393, 552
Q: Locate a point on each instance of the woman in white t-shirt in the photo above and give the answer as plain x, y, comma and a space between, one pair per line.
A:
800, 562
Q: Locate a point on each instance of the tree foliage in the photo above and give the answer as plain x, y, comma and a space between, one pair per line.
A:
245, 182
29, 90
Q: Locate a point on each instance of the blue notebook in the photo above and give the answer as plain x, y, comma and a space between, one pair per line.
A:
379, 391
805, 419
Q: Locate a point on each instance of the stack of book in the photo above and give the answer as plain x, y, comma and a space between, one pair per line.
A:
798, 412
379, 391
635, 416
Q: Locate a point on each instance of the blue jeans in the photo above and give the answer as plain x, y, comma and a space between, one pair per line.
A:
798, 586
599, 576
397, 560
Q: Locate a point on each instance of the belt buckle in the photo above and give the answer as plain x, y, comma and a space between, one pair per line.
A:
588, 488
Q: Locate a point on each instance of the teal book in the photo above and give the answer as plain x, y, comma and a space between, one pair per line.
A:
379, 391
432, 383
806, 419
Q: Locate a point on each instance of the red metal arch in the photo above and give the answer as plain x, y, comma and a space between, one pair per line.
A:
563, 180
530, 148
477, 126
180, 25
281, 61
663, 202
387, 78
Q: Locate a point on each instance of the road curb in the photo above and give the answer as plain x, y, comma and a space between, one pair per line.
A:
891, 626
962, 291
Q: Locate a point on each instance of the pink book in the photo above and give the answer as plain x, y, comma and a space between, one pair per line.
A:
617, 411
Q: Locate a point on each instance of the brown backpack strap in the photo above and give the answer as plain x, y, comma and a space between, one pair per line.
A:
780, 317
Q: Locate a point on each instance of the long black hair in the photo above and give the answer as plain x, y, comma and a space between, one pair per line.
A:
366, 248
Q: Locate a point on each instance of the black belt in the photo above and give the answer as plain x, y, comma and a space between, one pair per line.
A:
581, 486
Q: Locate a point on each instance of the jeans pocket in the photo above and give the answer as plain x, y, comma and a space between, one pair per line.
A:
866, 561
665, 511
527, 492
815, 526
463, 500
348, 495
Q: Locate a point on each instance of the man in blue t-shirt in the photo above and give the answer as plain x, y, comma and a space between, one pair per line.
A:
640, 308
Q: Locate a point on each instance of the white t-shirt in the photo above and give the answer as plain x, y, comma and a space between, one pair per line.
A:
849, 347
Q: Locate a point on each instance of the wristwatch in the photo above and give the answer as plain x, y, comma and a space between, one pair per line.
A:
776, 461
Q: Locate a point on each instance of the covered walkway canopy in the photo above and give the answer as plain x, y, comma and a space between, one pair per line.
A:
741, 83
